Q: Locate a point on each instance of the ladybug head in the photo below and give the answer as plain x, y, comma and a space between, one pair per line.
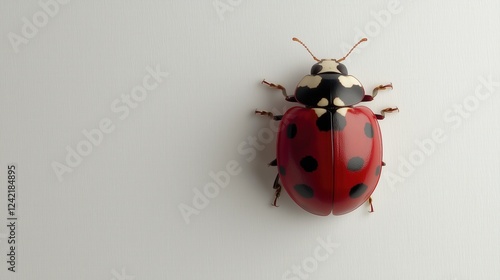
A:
328, 66
329, 85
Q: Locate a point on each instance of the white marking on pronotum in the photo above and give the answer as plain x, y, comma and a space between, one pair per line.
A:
329, 65
338, 102
342, 111
349, 81
310, 81
323, 102
319, 111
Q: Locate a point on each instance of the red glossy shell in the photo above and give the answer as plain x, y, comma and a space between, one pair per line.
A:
329, 170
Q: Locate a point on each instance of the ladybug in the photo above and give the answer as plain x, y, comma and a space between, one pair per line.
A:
329, 153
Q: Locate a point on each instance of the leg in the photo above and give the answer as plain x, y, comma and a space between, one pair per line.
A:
283, 90
277, 187
370, 201
269, 114
375, 92
381, 87
386, 110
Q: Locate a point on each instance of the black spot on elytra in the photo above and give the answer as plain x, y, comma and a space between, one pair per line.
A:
357, 190
291, 130
304, 190
339, 122
369, 130
309, 163
282, 170
377, 170
355, 164
324, 122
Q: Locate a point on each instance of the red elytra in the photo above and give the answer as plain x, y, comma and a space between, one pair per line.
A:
329, 153
333, 168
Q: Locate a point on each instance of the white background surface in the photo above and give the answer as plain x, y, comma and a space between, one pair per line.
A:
116, 215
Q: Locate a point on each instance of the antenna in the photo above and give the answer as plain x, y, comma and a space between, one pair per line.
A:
304, 45
360, 41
